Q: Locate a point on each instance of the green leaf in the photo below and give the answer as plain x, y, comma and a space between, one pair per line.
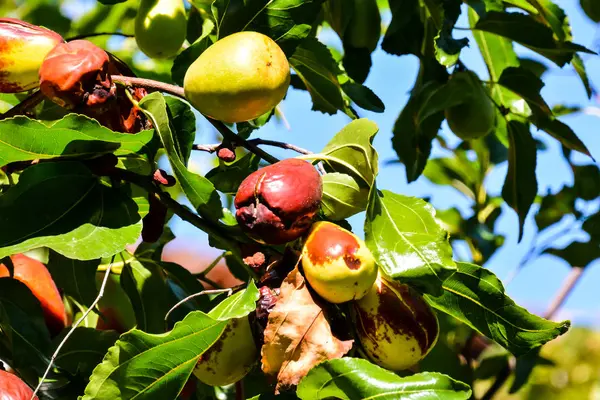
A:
313, 63
288, 22
84, 349
342, 196
354, 378
363, 97
227, 178
444, 15
183, 126
75, 278
407, 241
553, 16
184, 59
475, 296
25, 139
579, 66
406, 31
587, 181
592, 225
199, 190
146, 366
24, 331
554, 207
578, 254
564, 134
238, 305
527, 31
520, 186
75, 214
351, 151
145, 285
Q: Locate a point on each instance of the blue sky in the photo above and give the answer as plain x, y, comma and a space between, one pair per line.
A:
391, 78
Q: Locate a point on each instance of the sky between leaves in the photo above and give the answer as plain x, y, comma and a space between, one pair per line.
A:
391, 78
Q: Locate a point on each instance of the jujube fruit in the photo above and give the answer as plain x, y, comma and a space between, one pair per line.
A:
230, 358
238, 78
37, 278
276, 204
13, 388
160, 27
337, 264
23, 47
475, 117
395, 325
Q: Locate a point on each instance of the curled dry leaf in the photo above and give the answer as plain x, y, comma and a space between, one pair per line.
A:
298, 336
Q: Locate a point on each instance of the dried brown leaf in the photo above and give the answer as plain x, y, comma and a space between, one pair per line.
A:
298, 336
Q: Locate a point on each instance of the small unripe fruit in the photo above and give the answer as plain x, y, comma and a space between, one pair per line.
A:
23, 47
337, 264
238, 78
160, 27
13, 388
230, 358
475, 117
395, 325
277, 203
37, 278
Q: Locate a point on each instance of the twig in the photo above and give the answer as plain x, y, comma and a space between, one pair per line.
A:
240, 141
559, 299
239, 390
209, 148
212, 291
89, 35
28, 103
282, 145
75, 326
212, 265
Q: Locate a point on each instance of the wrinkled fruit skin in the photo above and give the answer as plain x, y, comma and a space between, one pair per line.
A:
75, 74
476, 117
364, 28
13, 388
592, 9
238, 78
230, 358
37, 278
23, 47
337, 264
277, 203
395, 325
160, 27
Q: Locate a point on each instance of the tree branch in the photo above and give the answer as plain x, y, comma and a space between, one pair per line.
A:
95, 34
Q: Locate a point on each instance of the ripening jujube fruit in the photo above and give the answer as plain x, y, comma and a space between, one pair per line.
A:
337, 264
395, 325
230, 358
276, 204
37, 278
475, 117
13, 388
238, 78
160, 27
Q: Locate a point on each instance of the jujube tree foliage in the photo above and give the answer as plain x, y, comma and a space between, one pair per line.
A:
322, 313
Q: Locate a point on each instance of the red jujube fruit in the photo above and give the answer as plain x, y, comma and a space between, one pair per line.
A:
13, 388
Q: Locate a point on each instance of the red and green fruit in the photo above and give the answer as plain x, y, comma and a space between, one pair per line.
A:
337, 264
395, 325
238, 78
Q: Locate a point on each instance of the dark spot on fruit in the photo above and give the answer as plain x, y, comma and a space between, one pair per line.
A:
328, 242
352, 262
423, 314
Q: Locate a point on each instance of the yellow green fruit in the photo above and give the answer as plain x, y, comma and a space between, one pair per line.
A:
395, 325
230, 358
160, 27
238, 78
476, 117
23, 47
364, 28
337, 264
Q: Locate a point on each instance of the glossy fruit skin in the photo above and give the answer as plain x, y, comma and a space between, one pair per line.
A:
75, 74
364, 29
230, 358
591, 8
13, 388
395, 325
477, 116
238, 78
160, 27
276, 204
37, 278
337, 264
23, 47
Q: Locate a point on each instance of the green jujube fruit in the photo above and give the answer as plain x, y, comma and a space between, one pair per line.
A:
160, 27
238, 78
230, 358
475, 117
